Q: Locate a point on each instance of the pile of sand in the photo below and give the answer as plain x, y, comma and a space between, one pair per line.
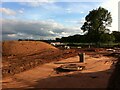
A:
24, 47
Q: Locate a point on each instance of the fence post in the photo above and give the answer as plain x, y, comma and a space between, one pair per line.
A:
81, 57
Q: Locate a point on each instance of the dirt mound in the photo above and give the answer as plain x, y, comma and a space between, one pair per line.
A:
24, 47
19, 56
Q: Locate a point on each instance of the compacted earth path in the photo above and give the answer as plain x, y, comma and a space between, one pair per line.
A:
97, 71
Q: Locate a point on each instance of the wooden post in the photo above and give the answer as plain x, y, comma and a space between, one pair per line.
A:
81, 57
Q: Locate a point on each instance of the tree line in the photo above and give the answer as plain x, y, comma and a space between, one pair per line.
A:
104, 38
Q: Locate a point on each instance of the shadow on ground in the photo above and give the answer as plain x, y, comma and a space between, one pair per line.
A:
114, 81
84, 80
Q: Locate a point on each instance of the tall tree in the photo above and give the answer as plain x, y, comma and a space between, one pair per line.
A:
96, 23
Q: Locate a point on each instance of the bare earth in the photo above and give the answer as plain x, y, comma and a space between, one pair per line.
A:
97, 71
23, 48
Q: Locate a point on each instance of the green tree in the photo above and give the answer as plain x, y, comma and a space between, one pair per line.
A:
96, 23
107, 38
117, 35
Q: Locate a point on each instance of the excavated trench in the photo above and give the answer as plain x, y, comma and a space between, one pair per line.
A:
69, 67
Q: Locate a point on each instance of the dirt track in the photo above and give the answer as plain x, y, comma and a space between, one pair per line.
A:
96, 75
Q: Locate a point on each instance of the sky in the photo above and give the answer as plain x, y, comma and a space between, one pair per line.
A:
46, 19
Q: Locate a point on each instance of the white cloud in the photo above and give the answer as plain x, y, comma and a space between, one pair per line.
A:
33, 4
71, 21
64, 33
21, 11
81, 12
37, 3
51, 32
74, 22
71, 7
7, 11
68, 10
11, 35
80, 7
20, 29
